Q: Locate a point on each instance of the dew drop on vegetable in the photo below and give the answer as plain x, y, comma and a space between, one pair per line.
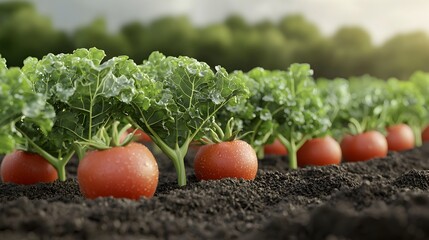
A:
217, 98
191, 70
126, 98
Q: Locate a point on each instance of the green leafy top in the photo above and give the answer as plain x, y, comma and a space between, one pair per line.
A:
85, 91
256, 116
184, 98
188, 95
336, 95
86, 94
283, 104
421, 82
369, 105
20, 105
304, 115
407, 104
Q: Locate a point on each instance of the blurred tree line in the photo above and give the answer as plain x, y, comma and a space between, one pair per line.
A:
234, 43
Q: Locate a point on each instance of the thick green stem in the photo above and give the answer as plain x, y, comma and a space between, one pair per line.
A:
260, 152
62, 162
417, 135
80, 151
180, 168
293, 162
291, 148
177, 156
61, 170
252, 139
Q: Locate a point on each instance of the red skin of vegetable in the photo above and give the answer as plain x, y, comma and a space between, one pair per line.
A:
27, 168
319, 152
425, 134
235, 159
400, 137
141, 135
275, 148
364, 146
121, 172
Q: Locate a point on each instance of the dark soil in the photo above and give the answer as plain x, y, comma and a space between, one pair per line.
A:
385, 198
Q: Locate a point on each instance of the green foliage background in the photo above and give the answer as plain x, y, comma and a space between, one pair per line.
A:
233, 44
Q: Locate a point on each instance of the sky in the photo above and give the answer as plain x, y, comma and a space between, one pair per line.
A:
381, 18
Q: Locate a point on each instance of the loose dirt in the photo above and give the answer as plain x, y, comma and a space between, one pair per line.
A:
384, 198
